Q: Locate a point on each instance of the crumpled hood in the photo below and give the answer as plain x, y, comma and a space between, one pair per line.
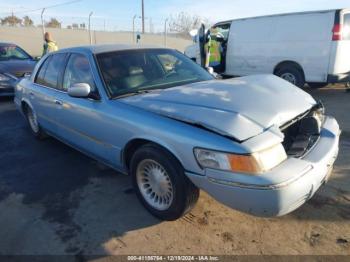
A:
240, 108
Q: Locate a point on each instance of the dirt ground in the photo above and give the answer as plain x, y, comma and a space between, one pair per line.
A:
54, 200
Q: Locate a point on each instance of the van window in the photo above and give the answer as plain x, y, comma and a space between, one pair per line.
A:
346, 30
224, 29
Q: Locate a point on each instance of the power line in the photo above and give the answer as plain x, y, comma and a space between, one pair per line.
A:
46, 7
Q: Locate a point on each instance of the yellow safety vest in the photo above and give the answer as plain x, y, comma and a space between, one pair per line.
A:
49, 47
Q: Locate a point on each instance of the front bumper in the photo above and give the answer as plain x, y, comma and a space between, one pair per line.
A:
7, 88
281, 190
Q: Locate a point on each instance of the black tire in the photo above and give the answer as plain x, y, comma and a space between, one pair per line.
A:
317, 85
295, 72
185, 193
37, 133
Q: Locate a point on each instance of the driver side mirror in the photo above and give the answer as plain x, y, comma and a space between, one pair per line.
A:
79, 90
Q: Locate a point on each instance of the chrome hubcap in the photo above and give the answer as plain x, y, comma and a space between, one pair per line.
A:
289, 77
154, 184
33, 121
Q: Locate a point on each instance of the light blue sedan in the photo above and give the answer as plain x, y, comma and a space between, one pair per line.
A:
257, 144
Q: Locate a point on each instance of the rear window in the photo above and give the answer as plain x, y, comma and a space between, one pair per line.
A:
50, 71
346, 30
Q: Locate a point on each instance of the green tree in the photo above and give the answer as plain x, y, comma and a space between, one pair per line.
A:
27, 21
54, 23
11, 20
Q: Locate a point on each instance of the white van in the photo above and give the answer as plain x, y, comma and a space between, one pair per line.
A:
309, 47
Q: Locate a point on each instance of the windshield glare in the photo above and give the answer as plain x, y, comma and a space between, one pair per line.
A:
133, 71
8, 52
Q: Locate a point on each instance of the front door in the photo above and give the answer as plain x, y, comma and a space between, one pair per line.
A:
82, 123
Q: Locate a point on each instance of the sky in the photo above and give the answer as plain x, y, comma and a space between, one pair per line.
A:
118, 14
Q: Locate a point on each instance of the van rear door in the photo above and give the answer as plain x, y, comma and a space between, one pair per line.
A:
339, 70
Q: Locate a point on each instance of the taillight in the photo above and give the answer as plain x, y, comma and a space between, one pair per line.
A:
337, 32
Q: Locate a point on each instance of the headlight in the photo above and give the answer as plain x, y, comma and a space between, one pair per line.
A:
4, 78
318, 113
253, 164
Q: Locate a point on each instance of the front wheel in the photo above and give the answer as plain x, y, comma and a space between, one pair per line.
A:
161, 184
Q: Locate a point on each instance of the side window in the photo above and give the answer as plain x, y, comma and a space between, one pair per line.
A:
346, 29
53, 70
39, 79
78, 71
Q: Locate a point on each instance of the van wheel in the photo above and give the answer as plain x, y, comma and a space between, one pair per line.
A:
292, 74
317, 85
33, 124
161, 184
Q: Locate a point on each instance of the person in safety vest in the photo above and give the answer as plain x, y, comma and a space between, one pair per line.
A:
49, 45
213, 50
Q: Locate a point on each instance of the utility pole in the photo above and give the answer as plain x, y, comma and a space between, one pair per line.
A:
90, 35
13, 19
165, 32
143, 17
42, 22
133, 29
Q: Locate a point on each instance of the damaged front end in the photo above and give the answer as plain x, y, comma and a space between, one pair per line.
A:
302, 133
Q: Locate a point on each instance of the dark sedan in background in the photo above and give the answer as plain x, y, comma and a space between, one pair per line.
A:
15, 63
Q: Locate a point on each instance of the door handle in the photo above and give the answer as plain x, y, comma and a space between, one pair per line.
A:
58, 102
31, 94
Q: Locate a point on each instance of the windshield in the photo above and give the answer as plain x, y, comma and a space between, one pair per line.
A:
128, 72
8, 52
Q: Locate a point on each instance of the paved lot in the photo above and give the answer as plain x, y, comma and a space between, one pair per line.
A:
54, 200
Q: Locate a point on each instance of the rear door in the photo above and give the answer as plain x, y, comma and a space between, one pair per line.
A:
340, 62
43, 95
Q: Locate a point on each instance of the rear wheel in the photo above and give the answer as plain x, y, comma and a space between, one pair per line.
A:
292, 74
33, 123
317, 85
161, 184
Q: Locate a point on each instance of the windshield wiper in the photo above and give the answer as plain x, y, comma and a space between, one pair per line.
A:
134, 93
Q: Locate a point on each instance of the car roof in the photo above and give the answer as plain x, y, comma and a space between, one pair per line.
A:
98, 49
7, 43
